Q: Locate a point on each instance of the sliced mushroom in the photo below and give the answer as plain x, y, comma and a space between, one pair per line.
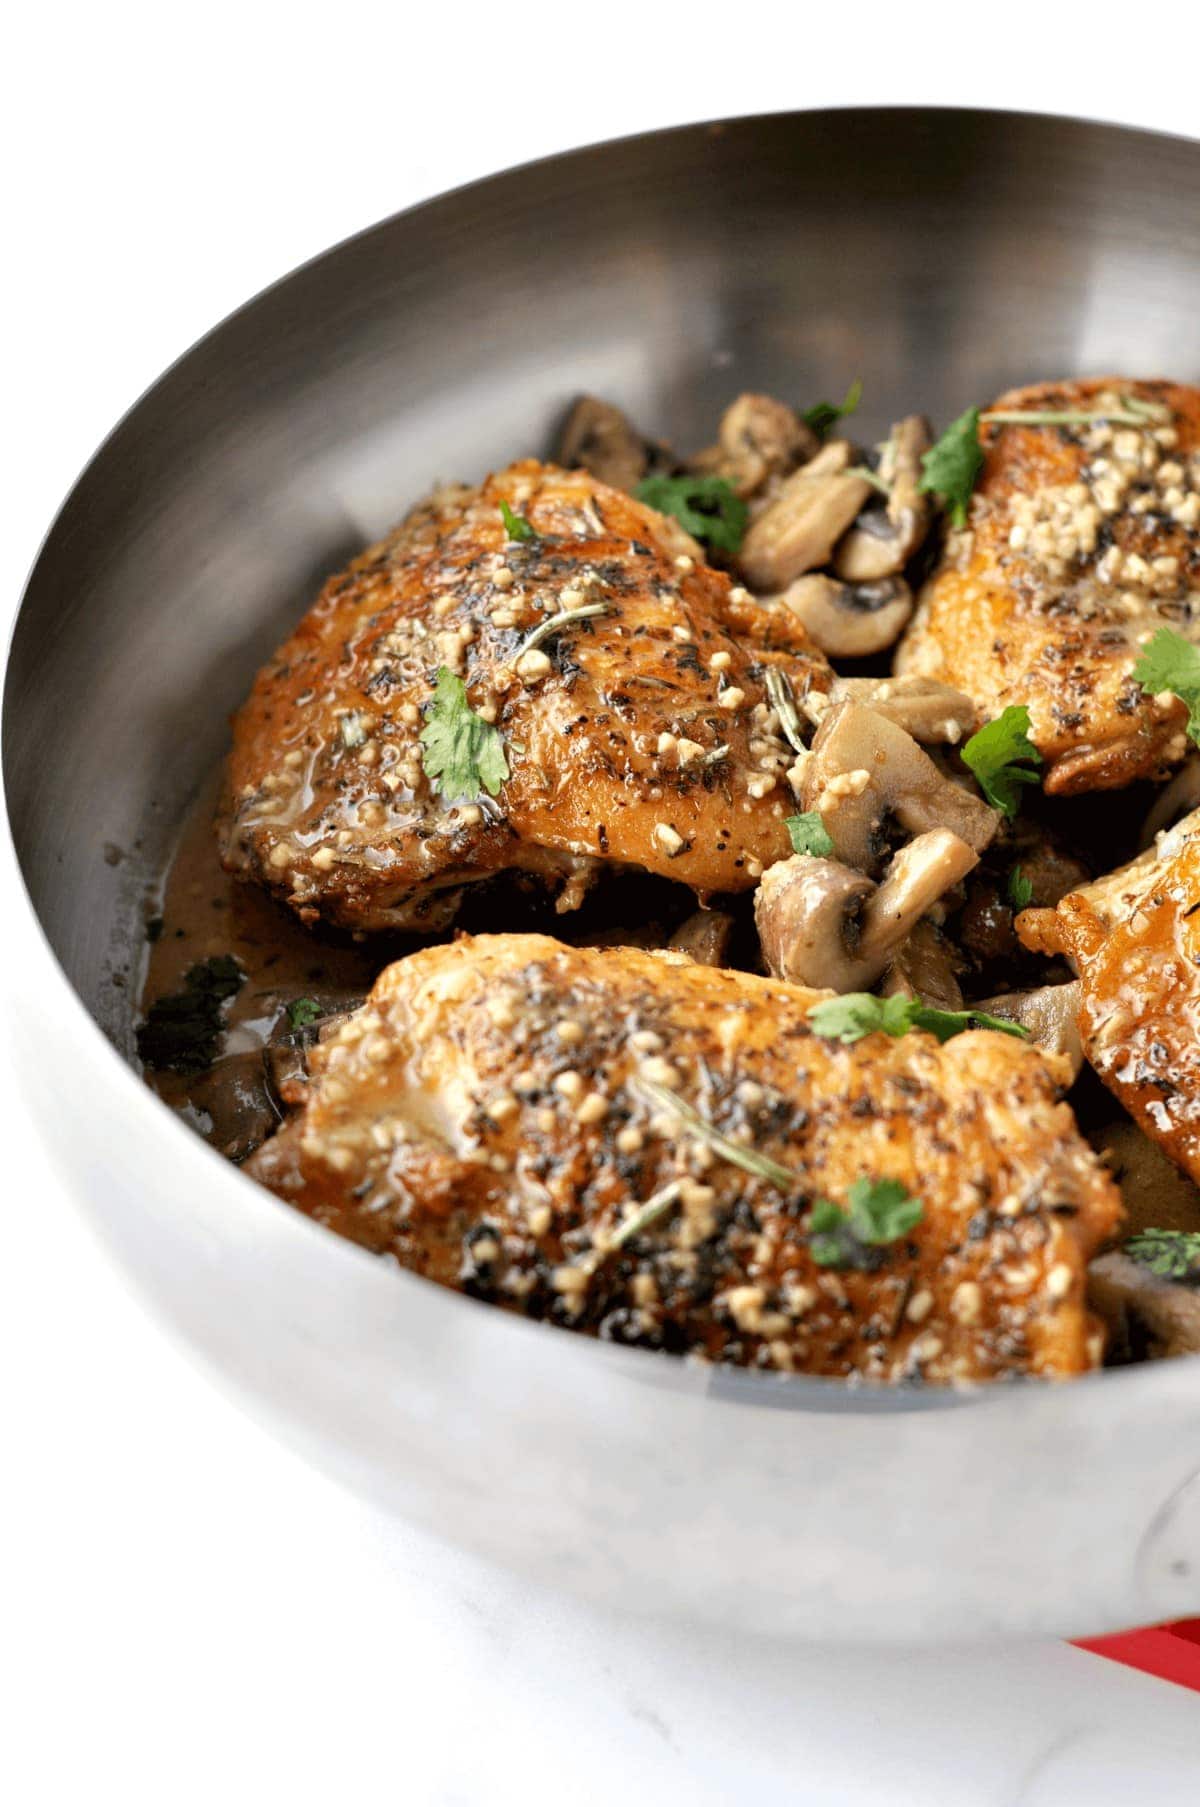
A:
926, 967
285, 1057
1051, 1015
800, 526
823, 925
807, 911
886, 534
848, 621
1147, 1317
929, 866
1176, 799
759, 438
598, 437
864, 771
235, 1097
929, 711
1157, 1194
704, 936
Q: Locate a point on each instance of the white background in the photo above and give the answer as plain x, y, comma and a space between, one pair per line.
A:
186, 1614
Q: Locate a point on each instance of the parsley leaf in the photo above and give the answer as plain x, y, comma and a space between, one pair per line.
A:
857, 1013
1003, 757
946, 1024
1171, 1254
1172, 663
881, 1212
950, 467
302, 1012
822, 416
809, 834
708, 507
1020, 889
182, 1030
461, 753
515, 525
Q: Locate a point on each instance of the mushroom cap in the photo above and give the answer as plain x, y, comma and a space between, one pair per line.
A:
848, 621
599, 438
804, 520
864, 769
806, 910
825, 926
929, 711
760, 437
886, 534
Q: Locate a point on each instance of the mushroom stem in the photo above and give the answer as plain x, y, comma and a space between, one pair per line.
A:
918, 875
865, 770
823, 925
1051, 1015
800, 526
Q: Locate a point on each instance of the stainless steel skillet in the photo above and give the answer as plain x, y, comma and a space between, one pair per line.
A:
939, 255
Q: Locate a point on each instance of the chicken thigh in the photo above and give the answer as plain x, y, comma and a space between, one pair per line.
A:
636, 1146
1081, 541
1134, 939
615, 677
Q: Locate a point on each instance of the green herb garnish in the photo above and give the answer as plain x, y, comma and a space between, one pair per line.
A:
1129, 412
880, 1212
302, 1012
809, 834
783, 701
1171, 1254
645, 1216
857, 1013
182, 1030
823, 416
515, 525
1172, 663
708, 507
736, 1153
553, 624
1002, 758
1020, 889
950, 467
872, 477
461, 753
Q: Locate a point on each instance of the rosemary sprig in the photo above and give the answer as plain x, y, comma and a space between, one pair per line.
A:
783, 701
646, 1215
872, 477
553, 623
748, 1159
1131, 412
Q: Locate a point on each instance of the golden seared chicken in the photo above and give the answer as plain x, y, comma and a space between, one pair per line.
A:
637, 1146
1134, 939
616, 678
1081, 541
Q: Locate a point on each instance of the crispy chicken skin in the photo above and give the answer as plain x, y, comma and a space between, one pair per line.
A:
611, 726
1134, 939
1081, 541
483, 1119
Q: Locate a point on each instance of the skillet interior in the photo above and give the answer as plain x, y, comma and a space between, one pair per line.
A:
939, 255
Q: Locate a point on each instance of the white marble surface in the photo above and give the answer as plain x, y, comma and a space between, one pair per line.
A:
188, 1613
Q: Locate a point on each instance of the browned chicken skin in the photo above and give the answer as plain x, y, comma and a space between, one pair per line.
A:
487, 1118
1081, 541
613, 725
1134, 939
